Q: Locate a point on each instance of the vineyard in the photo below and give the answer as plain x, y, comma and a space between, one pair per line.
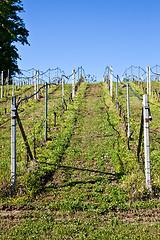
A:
85, 176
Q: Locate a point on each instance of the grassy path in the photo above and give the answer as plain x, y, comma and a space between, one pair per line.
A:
86, 159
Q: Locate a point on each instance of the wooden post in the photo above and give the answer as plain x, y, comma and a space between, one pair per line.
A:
24, 136
140, 136
146, 142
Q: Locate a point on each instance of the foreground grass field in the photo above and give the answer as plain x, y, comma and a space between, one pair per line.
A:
86, 183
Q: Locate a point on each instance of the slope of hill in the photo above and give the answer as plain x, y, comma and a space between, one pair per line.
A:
86, 183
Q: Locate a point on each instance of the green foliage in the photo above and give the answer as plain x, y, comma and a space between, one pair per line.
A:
12, 30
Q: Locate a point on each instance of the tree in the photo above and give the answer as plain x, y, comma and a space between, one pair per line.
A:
12, 30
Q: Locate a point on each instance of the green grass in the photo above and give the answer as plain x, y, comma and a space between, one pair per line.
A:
87, 184
73, 225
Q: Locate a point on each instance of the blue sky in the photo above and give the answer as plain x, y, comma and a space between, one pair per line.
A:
92, 34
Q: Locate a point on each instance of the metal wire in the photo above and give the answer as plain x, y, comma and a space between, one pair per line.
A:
124, 85
154, 72
26, 98
135, 93
52, 82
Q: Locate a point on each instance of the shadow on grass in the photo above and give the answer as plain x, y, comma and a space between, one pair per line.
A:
116, 175
85, 169
112, 176
74, 183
